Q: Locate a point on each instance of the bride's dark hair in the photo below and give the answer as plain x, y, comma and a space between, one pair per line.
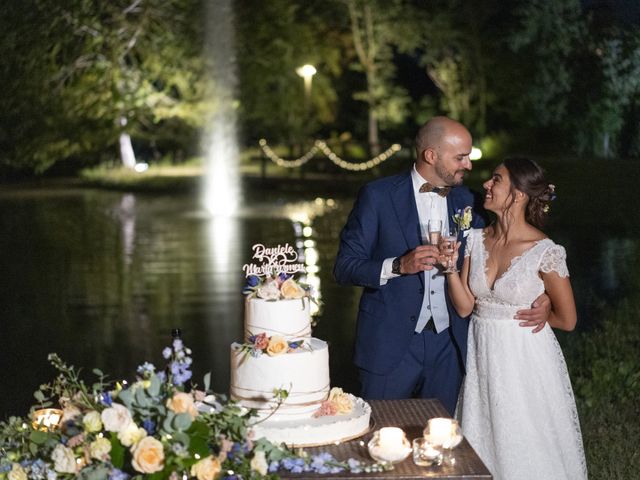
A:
529, 178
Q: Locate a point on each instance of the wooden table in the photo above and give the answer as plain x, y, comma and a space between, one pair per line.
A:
411, 416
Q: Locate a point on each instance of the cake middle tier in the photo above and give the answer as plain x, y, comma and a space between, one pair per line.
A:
303, 372
290, 319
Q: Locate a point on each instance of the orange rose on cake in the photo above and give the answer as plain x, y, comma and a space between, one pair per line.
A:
290, 289
277, 346
206, 469
341, 400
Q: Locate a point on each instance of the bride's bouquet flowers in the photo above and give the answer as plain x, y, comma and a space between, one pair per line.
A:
151, 428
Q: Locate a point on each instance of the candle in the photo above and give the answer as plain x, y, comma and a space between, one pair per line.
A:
391, 437
389, 444
439, 430
46, 418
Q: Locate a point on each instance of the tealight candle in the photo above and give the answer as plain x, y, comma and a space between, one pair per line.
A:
438, 430
389, 444
46, 419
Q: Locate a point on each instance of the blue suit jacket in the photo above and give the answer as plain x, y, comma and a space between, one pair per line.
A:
383, 224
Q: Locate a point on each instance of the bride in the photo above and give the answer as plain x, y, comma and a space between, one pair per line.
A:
517, 408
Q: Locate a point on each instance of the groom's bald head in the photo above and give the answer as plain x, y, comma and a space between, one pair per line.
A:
434, 132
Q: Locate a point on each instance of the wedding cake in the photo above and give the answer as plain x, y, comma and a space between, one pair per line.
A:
280, 370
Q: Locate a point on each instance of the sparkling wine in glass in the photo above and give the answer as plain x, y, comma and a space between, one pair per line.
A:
434, 232
447, 247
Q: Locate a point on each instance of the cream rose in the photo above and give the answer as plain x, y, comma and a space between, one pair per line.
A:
131, 434
259, 463
116, 418
92, 421
182, 403
341, 400
17, 473
277, 345
63, 459
100, 449
206, 469
148, 455
290, 289
269, 291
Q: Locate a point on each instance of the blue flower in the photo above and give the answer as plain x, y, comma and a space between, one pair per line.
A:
294, 344
146, 369
283, 276
354, 465
149, 426
166, 353
117, 474
177, 344
253, 280
105, 399
274, 466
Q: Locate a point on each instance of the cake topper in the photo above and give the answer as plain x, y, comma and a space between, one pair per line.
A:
271, 261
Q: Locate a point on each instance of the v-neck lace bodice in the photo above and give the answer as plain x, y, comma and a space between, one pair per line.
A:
520, 284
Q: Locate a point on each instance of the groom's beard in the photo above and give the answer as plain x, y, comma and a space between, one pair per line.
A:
451, 179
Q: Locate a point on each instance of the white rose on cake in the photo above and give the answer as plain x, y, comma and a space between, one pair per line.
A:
269, 291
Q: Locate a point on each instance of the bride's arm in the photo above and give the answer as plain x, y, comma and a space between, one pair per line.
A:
458, 289
563, 306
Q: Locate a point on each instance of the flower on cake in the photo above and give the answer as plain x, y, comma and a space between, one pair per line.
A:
273, 346
276, 287
277, 346
338, 403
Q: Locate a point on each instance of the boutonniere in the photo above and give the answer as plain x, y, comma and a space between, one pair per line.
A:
462, 218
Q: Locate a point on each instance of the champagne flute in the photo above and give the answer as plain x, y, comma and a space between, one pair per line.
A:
434, 232
447, 247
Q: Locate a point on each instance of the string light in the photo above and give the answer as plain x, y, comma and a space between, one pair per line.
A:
298, 162
324, 148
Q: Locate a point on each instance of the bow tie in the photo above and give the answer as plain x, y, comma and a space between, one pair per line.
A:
442, 191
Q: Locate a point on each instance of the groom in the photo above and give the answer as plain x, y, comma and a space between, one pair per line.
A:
409, 340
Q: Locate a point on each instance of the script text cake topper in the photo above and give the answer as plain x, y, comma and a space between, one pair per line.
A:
273, 260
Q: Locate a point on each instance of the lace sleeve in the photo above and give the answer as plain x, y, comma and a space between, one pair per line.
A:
554, 259
469, 245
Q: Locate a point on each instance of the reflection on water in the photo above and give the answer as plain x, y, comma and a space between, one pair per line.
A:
102, 277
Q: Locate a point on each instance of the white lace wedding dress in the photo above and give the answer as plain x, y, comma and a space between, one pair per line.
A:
517, 408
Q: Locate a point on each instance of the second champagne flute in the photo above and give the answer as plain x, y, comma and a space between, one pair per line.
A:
447, 246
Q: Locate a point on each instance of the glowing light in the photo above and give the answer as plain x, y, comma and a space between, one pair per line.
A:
309, 243
311, 256
307, 231
141, 167
306, 71
476, 154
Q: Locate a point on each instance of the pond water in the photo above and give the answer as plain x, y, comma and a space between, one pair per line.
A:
101, 278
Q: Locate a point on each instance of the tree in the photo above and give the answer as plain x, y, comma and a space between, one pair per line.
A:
103, 70
376, 28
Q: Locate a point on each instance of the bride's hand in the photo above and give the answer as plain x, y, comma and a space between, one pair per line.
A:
450, 254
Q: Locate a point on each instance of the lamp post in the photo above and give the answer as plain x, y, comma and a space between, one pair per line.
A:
306, 72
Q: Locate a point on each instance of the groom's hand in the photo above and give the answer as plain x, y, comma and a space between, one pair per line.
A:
424, 257
536, 316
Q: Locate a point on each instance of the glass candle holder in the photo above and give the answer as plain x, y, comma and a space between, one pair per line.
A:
445, 434
46, 419
390, 445
425, 454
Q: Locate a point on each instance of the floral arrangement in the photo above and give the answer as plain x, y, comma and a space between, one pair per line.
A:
274, 345
463, 218
338, 403
151, 428
277, 287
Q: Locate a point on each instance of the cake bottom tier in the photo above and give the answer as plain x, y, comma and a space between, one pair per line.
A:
313, 431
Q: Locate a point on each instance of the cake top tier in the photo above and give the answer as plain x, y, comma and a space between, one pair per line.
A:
270, 274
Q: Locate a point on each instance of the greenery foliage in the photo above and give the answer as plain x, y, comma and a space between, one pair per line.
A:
77, 74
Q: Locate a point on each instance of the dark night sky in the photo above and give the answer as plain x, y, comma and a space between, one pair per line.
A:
619, 11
